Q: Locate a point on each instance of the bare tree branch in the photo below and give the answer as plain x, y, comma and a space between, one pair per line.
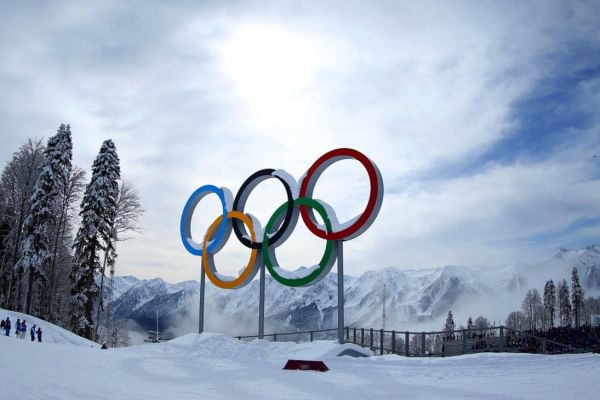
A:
129, 211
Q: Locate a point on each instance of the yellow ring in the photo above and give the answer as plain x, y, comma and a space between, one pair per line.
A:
233, 284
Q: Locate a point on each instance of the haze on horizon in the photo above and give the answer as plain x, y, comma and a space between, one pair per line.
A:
482, 117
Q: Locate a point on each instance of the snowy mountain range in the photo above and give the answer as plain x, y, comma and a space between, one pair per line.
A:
412, 297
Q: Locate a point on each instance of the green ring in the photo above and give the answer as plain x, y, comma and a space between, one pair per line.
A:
304, 281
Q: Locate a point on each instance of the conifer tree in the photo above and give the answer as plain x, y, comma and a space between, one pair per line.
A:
549, 303
564, 305
470, 325
36, 251
576, 297
128, 212
449, 326
98, 213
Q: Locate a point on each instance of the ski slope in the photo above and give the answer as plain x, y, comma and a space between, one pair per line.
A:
50, 332
211, 366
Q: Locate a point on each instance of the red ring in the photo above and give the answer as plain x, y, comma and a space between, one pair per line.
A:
371, 204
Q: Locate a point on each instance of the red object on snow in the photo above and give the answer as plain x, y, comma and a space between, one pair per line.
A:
306, 365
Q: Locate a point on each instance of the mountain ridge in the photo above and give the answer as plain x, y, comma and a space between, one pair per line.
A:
411, 296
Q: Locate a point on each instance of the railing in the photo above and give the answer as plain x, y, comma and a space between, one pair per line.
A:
301, 336
457, 342
434, 344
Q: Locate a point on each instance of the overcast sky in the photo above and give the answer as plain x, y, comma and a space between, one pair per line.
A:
482, 117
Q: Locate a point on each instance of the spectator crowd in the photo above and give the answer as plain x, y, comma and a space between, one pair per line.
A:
21, 329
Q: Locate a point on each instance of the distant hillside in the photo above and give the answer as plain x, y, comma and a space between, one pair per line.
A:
411, 296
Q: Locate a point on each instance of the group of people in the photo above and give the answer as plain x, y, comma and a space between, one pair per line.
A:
21, 329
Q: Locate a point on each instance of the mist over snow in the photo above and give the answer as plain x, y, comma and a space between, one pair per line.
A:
414, 299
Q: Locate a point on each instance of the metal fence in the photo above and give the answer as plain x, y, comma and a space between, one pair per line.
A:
433, 344
457, 342
428, 344
301, 336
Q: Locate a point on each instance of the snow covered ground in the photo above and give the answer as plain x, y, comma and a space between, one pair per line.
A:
212, 366
50, 332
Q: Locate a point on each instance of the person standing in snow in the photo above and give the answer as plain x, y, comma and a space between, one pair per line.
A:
2, 324
32, 333
23, 329
7, 326
39, 334
18, 328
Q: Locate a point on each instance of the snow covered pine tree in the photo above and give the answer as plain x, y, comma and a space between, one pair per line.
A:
449, 327
97, 212
549, 304
576, 297
564, 305
54, 171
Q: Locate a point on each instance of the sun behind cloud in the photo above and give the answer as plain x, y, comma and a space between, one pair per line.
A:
270, 67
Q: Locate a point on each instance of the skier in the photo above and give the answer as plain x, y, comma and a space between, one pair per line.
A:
23, 329
39, 334
7, 326
32, 333
18, 328
2, 324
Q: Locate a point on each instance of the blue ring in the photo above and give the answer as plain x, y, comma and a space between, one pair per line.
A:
186, 217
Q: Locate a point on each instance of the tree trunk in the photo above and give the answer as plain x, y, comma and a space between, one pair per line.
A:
101, 303
59, 234
30, 283
89, 307
10, 301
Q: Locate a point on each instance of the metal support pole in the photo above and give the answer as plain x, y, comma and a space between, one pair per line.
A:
311, 336
393, 342
201, 310
340, 282
464, 339
354, 341
261, 303
501, 338
362, 337
406, 348
422, 344
381, 342
347, 334
371, 338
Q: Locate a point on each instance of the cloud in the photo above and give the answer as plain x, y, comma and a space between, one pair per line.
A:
422, 89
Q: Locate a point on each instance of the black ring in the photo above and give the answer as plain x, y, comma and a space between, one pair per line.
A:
242, 196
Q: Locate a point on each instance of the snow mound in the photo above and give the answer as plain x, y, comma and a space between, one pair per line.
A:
216, 345
211, 366
50, 332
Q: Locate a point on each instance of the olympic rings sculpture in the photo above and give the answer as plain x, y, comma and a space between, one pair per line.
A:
262, 244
